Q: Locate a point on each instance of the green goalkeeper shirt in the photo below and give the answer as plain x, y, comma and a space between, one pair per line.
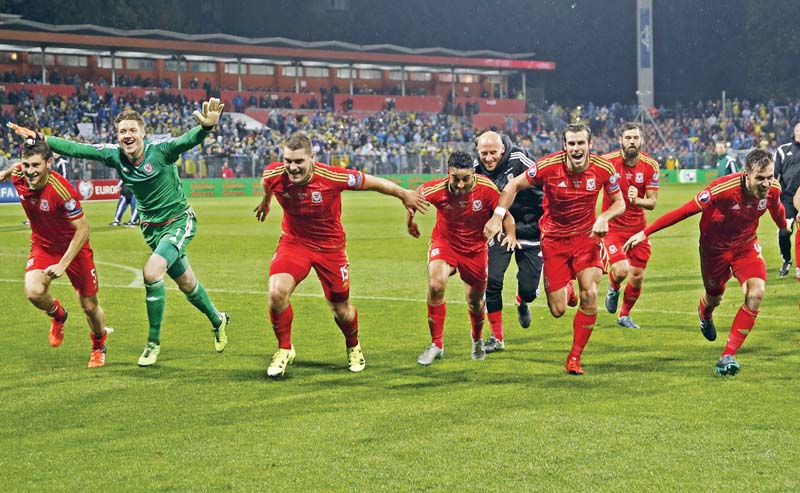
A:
153, 177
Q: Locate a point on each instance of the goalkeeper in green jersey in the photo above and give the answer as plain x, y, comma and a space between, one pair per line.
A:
167, 221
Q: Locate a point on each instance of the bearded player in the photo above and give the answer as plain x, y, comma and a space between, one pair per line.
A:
638, 181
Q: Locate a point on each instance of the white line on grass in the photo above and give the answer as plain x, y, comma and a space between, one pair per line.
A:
407, 300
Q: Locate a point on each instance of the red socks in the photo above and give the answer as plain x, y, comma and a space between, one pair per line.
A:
57, 312
705, 311
582, 326
477, 325
742, 325
282, 325
615, 285
629, 299
496, 323
98, 343
436, 315
350, 330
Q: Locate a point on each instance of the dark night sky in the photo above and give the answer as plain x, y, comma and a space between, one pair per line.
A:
700, 48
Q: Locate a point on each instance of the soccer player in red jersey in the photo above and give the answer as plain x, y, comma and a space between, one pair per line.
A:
731, 207
571, 230
638, 181
310, 194
59, 244
464, 202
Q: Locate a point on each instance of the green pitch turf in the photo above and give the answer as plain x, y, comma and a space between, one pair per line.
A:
649, 414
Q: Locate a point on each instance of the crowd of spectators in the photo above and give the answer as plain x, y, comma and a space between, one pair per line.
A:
395, 142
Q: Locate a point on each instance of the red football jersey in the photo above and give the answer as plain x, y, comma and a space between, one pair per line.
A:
460, 219
570, 198
312, 212
50, 209
730, 216
644, 176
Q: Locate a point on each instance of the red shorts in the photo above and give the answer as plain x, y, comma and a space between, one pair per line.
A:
563, 258
637, 256
81, 271
331, 266
743, 262
473, 268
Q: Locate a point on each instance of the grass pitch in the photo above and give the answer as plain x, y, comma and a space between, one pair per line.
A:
649, 414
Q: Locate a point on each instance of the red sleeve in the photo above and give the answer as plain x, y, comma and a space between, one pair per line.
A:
688, 209
612, 183
778, 213
531, 175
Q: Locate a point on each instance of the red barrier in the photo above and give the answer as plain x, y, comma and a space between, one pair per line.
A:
43, 89
379, 102
492, 105
298, 98
497, 121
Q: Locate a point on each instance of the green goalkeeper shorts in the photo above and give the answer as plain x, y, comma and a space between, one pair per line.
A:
176, 232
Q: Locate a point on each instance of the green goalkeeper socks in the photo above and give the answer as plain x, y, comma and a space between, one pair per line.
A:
200, 299
155, 296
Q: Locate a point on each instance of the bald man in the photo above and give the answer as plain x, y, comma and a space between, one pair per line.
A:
500, 161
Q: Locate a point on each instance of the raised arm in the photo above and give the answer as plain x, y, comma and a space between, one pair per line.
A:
207, 119
67, 147
412, 200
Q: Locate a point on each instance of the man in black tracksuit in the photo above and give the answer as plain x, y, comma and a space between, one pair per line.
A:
500, 161
787, 170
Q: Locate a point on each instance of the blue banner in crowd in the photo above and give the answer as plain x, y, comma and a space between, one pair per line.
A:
8, 193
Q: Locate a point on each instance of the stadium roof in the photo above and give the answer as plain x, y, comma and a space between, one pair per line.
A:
26, 34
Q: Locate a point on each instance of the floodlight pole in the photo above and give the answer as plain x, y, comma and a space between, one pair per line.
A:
44, 72
113, 69
239, 74
644, 51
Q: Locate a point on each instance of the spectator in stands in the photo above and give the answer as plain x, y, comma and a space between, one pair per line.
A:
227, 171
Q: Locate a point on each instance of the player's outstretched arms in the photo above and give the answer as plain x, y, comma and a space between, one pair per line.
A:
412, 200
634, 240
25, 132
209, 116
411, 225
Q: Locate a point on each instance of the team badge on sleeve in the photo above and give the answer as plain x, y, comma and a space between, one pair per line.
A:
704, 197
354, 181
531, 172
70, 205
